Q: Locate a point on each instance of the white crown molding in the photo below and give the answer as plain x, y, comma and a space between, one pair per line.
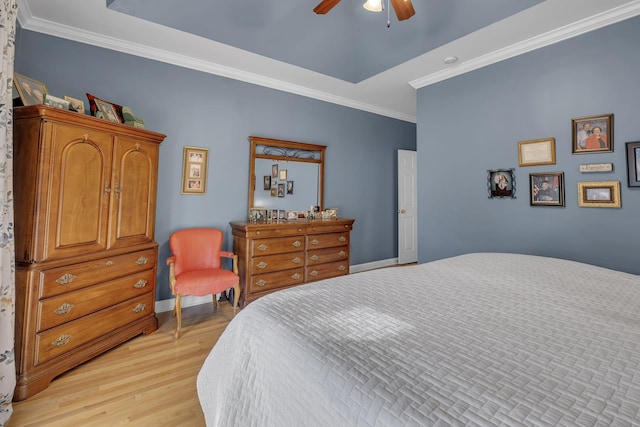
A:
593, 23
29, 22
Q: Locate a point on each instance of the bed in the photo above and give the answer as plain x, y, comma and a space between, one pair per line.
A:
480, 339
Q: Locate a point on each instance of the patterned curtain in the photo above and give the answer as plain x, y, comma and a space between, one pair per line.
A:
8, 11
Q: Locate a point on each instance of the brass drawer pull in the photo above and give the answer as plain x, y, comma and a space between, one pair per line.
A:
296, 260
297, 244
342, 239
342, 253
296, 276
263, 247
342, 267
314, 257
261, 282
314, 273
262, 265
62, 340
109, 263
142, 261
138, 308
140, 284
64, 309
65, 279
315, 242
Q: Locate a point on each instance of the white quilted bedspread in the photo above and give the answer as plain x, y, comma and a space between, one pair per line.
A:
480, 339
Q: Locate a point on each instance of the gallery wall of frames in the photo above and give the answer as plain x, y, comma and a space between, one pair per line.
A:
590, 134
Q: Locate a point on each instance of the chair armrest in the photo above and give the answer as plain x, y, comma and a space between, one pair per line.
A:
171, 262
233, 257
226, 254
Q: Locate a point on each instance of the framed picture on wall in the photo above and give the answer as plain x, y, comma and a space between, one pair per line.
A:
546, 189
592, 134
267, 182
501, 183
602, 194
194, 170
633, 163
537, 152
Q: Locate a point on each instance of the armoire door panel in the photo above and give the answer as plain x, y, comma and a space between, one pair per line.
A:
79, 190
135, 176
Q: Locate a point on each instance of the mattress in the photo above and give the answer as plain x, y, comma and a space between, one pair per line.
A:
483, 339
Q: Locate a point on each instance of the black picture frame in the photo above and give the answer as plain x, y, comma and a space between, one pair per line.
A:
586, 143
501, 183
267, 182
633, 164
546, 189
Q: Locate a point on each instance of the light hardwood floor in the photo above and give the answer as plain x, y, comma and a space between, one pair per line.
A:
147, 381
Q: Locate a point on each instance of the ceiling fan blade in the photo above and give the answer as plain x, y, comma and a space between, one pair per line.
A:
404, 9
325, 6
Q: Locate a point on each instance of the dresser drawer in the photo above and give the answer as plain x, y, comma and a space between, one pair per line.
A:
325, 228
65, 279
69, 336
260, 247
270, 263
324, 271
319, 241
277, 232
281, 279
322, 256
63, 308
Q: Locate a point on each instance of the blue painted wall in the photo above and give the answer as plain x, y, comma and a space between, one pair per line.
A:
472, 123
198, 109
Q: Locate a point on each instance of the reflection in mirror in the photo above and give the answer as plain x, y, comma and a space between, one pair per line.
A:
285, 175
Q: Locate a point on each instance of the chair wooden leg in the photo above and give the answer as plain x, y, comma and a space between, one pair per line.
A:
215, 301
178, 315
236, 297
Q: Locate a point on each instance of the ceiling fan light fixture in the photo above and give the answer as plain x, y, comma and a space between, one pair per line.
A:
373, 5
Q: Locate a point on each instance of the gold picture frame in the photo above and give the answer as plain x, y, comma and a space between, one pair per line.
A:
31, 91
194, 170
108, 110
537, 152
599, 194
77, 104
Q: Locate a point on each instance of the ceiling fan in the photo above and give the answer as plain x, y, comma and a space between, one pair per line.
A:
403, 8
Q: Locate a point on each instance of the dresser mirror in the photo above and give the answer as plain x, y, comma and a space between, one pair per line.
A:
285, 175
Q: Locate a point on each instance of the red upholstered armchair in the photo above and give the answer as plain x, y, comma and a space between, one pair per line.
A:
196, 267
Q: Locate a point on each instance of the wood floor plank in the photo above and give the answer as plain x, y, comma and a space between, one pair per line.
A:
147, 381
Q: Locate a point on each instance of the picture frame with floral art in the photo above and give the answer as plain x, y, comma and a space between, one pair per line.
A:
194, 170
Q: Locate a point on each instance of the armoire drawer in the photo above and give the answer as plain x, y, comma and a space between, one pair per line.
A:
322, 256
71, 335
65, 279
270, 263
281, 279
324, 271
319, 241
260, 247
64, 308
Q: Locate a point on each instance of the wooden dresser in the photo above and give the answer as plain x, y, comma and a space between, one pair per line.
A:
276, 255
85, 198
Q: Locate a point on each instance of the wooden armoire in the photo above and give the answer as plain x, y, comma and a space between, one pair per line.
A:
85, 198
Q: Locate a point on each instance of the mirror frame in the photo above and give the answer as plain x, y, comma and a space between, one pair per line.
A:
295, 147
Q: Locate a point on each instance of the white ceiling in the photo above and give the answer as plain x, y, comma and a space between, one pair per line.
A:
391, 92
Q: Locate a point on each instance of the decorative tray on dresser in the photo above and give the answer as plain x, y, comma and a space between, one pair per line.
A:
277, 255
85, 249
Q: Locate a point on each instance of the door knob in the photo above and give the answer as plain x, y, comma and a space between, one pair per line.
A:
401, 211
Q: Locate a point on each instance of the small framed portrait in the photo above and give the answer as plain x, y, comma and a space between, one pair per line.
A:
501, 183
194, 170
108, 110
75, 104
282, 174
274, 171
56, 102
31, 91
601, 194
281, 214
274, 214
281, 190
633, 163
537, 152
546, 189
292, 215
592, 134
267, 182
289, 187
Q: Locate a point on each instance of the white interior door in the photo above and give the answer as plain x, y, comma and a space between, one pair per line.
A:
407, 207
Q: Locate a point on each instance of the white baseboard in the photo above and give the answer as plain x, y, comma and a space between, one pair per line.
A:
187, 301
